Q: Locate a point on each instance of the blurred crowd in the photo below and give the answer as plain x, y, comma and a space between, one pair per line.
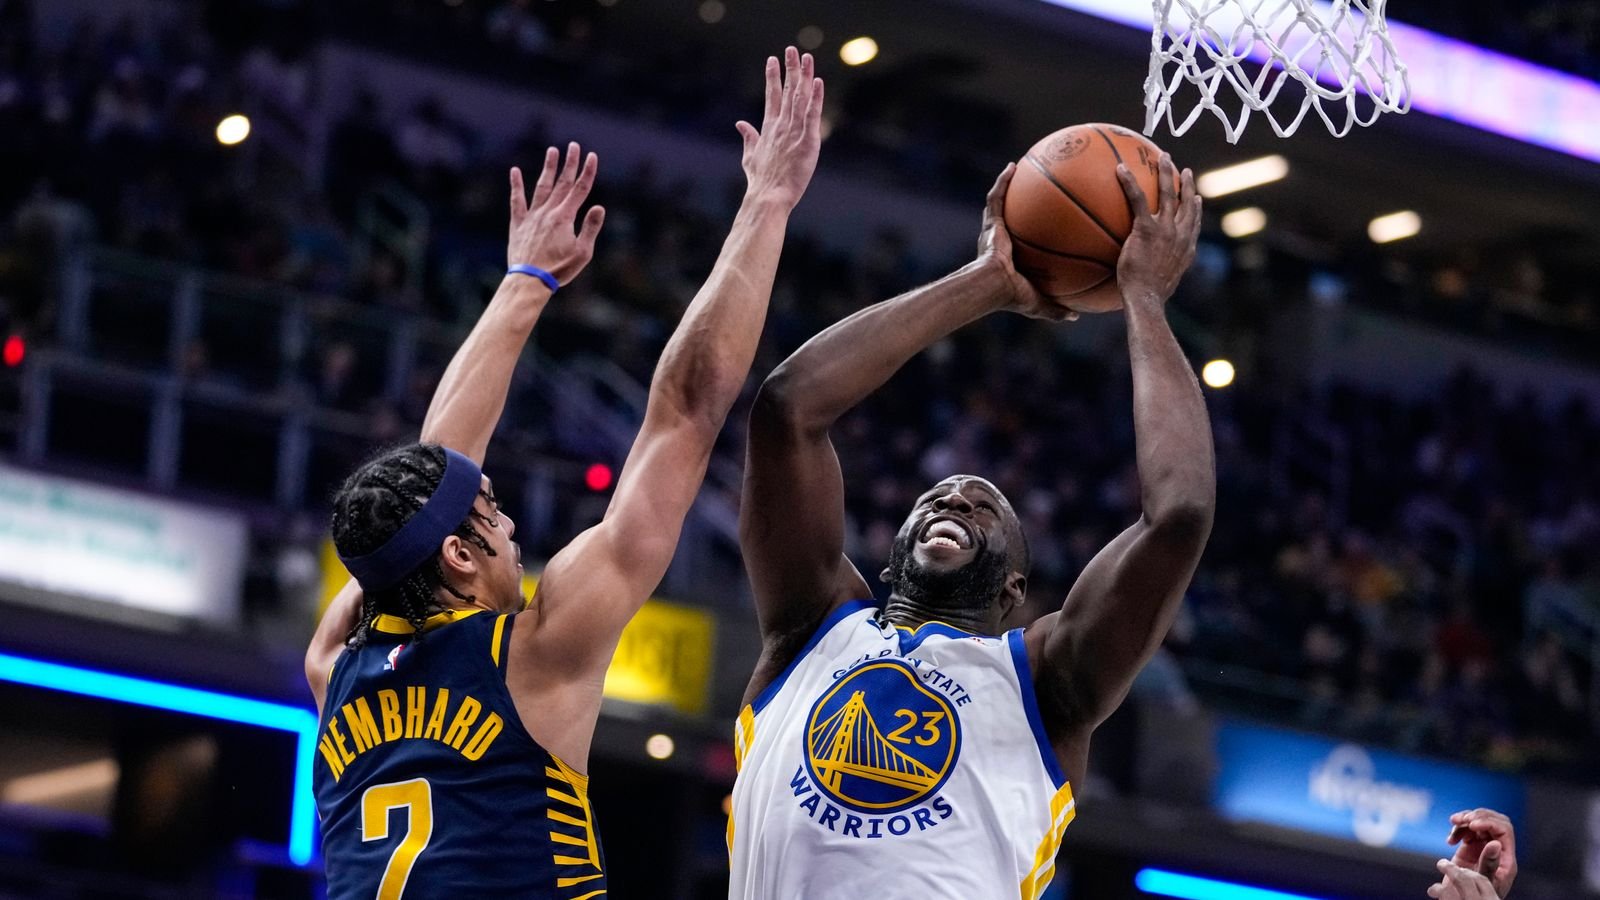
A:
1436, 597
1563, 34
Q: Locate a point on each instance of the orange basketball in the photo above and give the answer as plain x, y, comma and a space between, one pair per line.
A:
1068, 216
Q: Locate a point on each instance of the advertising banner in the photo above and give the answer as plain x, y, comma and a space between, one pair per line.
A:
1347, 790
59, 536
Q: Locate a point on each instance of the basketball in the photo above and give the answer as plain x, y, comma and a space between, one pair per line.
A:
1067, 214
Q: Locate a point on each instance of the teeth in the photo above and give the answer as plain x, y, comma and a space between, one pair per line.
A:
942, 541
949, 531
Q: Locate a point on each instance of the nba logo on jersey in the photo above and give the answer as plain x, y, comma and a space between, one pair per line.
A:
880, 742
392, 661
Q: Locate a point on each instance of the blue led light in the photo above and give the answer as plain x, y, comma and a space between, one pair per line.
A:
1191, 887
193, 701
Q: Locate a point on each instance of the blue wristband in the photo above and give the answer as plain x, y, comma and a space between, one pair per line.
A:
548, 279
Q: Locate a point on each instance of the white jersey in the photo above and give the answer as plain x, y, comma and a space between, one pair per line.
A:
890, 763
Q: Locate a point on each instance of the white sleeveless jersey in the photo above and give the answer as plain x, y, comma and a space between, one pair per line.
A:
891, 763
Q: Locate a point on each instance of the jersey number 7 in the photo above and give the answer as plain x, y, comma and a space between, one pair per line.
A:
416, 796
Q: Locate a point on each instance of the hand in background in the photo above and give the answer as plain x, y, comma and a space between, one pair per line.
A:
543, 231
780, 158
1486, 843
1461, 884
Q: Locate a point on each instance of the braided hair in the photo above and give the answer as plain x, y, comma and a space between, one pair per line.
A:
371, 506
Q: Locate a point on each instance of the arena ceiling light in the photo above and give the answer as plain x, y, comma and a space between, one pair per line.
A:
195, 702
1217, 373
712, 11
1242, 176
233, 129
1162, 883
659, 746
54, 785
1394, 227
1244, 222
1456, 80
858, 51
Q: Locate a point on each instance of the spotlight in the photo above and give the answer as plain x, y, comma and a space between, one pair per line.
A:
232, 130
659, 746
1243, 222
1244, 175
1218, 373
858, 51
1394, 227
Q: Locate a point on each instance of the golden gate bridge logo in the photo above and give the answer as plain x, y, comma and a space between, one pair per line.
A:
880, 740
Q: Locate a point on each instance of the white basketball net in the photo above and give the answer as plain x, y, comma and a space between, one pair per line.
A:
1335, 57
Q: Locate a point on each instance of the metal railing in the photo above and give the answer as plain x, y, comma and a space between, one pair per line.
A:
189, 382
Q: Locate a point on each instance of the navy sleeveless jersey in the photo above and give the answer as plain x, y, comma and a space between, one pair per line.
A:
429, 786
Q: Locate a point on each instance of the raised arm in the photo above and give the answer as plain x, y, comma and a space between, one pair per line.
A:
591, 588
467, 404
791, 526
1117, 613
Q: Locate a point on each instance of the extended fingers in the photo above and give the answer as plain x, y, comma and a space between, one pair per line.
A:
1167, 187
774, 93
547, 176
519, 197
996, 200
748, 133
585, 180
804, 89
592, 220
1138, 206
1489, 861
562, 185
791, 72
1468, 884
814, 112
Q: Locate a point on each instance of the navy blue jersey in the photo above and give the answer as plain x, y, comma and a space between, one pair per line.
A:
429, 786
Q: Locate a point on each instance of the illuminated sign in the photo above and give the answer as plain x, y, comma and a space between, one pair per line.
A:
70, 538
195, 702
1456, 80
1345, 790
1191, 887
664, 658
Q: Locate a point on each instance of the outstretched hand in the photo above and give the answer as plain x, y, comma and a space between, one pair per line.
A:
1461, 884
994, 250
543, 231
780, 158
1485, 843
1161, 246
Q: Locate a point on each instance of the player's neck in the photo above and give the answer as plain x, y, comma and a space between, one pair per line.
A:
913, 613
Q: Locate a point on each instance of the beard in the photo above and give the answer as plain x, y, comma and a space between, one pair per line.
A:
975, 585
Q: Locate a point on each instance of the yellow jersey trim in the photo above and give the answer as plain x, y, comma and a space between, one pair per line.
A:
579, 816
744, 735
936, 622
1063, 809
396, 625
494, 643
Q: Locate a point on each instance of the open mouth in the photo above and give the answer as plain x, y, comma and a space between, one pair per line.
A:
947, 533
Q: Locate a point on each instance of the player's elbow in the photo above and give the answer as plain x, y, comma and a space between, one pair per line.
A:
781, 405
1183, 519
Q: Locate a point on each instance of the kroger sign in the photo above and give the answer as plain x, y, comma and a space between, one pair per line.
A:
1345, 790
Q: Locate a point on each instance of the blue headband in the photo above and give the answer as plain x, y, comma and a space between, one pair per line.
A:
422, 534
